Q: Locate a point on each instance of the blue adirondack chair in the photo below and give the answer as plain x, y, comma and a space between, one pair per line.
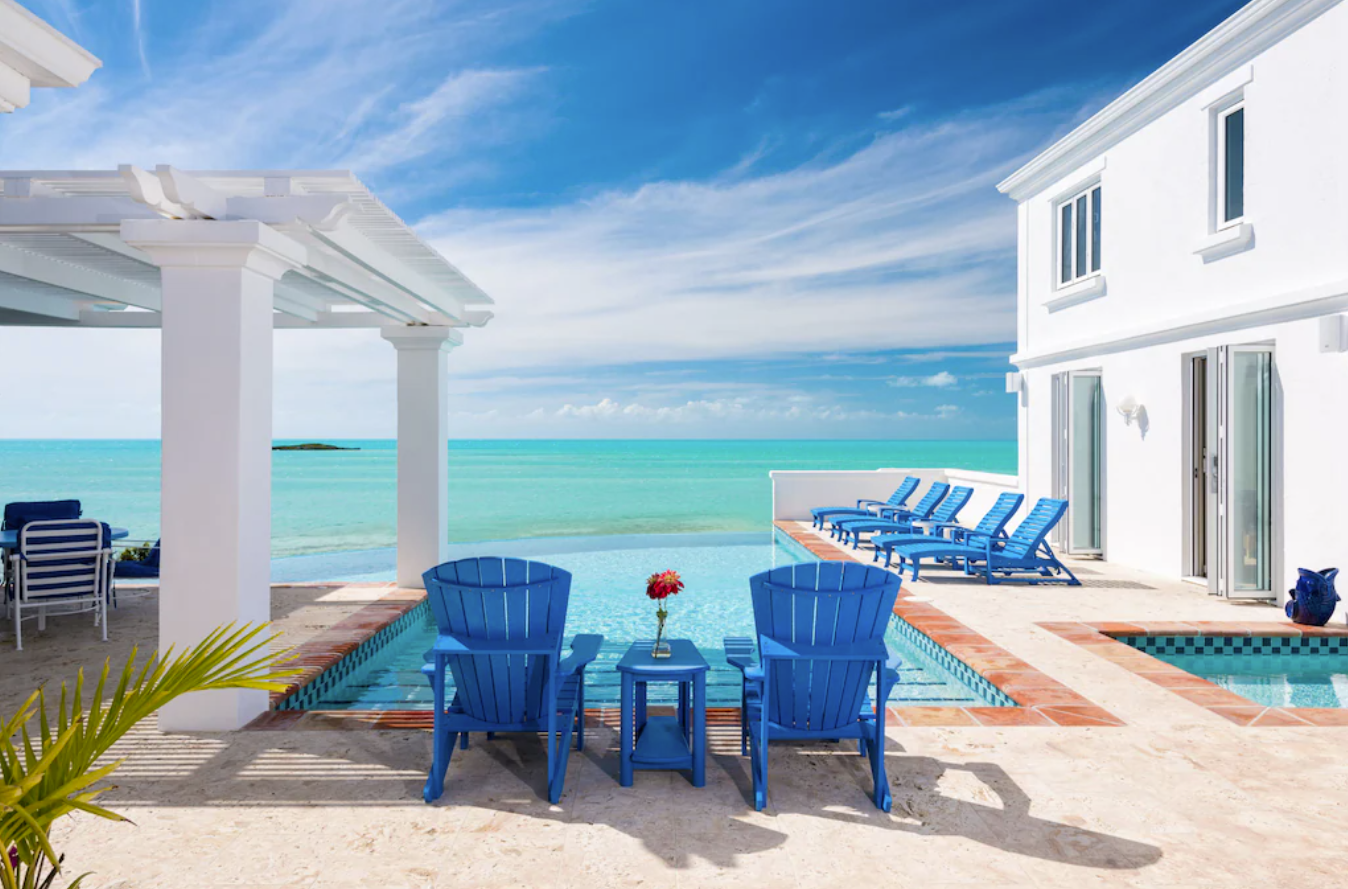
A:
868, 507
500, 624
1025, 555
821, 628
946, 512
992, 525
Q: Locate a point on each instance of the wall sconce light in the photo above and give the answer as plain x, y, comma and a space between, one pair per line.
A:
1014, 383
1129, 409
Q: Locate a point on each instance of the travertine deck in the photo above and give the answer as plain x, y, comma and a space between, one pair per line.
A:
1178, 796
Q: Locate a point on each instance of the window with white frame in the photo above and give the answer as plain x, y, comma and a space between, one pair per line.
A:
1230, 125
1078, 224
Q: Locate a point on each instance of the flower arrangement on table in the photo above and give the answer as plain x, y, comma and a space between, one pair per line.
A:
660, 587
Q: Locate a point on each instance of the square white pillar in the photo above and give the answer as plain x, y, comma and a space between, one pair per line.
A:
215, 512
423, 441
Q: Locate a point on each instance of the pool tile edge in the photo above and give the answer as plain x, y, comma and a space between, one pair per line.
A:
1099, 639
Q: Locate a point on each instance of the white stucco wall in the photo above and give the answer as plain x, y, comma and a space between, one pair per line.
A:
1162, 301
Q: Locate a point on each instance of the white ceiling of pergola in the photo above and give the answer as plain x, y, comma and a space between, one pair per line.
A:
63, 261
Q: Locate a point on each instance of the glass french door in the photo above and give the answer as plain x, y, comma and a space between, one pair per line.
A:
1078, 459
1240, 436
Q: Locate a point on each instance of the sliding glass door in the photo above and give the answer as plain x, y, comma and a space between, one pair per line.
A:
1251, 467
1241, 488
1078, 459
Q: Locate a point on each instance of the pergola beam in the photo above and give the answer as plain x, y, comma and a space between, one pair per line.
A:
76, 278
364, 252
57, 308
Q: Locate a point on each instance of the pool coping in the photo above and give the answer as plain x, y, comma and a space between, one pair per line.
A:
1100, 639
1041, 700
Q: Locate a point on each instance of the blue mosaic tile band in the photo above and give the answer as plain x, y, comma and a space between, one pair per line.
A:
962, 671
305, 698
1310, 646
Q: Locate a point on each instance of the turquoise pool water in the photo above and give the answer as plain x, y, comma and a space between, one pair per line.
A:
608, 597
1269, 670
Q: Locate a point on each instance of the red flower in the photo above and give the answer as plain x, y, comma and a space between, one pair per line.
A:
663, 585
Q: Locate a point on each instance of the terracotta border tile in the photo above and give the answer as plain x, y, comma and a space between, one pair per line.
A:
1195, 689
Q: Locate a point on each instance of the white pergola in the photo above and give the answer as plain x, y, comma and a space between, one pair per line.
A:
218, 260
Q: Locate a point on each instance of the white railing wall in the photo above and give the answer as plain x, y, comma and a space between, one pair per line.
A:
796, 492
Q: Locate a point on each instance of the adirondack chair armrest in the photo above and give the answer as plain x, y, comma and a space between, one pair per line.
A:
866, 501
873, 650
944, 526
447, 644
739, 652
896, 514
889, 675
584, 649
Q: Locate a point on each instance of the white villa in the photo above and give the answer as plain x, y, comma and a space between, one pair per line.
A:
1182, 284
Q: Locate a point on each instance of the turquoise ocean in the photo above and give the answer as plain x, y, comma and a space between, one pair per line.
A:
334, 501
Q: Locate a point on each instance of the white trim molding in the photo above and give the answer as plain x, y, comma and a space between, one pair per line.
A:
1085, 290
1310, 302
1254, 28
1227, 241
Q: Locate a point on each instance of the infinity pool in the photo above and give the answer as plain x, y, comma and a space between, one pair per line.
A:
1274, 671
608, 597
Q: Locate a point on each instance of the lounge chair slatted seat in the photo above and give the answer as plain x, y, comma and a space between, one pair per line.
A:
924, 509
868, 507
1025, 555
945, 513
992, 525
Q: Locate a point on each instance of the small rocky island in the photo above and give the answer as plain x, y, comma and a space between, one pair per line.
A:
311, 446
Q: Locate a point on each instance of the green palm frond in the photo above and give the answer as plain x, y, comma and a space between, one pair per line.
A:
49, 767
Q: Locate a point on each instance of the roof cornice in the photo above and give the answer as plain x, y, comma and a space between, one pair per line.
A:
1250, 31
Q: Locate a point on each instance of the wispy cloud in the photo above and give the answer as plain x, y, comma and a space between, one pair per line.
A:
903, 243
372, 86
138, 28
941, 380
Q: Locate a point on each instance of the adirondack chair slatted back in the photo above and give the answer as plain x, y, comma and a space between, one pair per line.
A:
62, 559
821, 603
950, 507
1034, 527
1001, 512
935, 494
500, 599
903, 491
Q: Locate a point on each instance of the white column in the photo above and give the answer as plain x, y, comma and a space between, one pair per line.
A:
423, 458
215, 511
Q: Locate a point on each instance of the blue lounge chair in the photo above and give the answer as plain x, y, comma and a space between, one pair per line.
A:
144, 568
868, 507
821, 628
1025, 555
946, 512
993, 525
500, 624
935, 494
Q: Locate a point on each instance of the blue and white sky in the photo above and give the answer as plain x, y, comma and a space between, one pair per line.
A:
731, 218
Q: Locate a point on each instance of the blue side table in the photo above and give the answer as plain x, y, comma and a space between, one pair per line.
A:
664, 742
